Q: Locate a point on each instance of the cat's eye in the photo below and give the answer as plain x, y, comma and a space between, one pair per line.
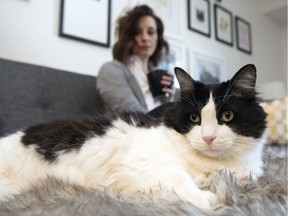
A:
195, 118
227, 116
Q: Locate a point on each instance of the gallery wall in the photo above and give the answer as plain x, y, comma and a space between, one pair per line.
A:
29, 32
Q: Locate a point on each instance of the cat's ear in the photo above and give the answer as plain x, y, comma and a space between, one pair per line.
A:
185, 80
244, 81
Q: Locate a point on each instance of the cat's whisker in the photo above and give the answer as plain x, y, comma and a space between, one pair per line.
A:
241, 147
225, 98
190, 100
228, 95
193, 102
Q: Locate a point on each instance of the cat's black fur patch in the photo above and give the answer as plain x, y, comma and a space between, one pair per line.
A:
138, 119
250, 118
49, 139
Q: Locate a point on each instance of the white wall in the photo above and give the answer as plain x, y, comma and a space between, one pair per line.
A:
29, 33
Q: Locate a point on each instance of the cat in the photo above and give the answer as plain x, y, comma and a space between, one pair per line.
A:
212, 127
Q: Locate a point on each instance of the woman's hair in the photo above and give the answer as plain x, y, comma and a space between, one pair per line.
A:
126, 30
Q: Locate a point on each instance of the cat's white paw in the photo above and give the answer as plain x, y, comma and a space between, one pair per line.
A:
205, 200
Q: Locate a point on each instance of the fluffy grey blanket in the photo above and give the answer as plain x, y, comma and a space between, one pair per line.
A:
267, 196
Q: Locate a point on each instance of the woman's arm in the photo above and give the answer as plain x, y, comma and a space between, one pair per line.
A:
115, 90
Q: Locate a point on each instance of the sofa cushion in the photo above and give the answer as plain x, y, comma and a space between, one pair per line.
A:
33, 94
277, 121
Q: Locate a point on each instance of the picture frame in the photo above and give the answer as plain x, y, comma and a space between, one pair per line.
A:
243, 35
199, 16
207, 68
223, 25
83, 20
168, 11
177, 50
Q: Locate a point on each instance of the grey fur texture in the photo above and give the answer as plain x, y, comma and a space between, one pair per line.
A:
267, 196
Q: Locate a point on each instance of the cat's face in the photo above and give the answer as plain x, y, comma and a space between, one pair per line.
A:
219, 120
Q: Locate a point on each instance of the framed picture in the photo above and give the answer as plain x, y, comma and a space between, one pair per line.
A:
243, 35
85, 20
168, 11
199, 16
207, 68
223, 25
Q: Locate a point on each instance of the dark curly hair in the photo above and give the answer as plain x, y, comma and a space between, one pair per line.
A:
126, 30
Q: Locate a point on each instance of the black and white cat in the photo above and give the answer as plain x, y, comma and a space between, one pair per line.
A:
212, 127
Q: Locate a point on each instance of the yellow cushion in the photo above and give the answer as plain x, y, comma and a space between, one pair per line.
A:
277, 121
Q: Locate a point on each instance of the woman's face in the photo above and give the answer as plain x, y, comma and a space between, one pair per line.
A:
146, 37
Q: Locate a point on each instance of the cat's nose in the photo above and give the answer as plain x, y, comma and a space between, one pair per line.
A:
208, 139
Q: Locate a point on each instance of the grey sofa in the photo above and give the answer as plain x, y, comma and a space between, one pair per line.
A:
31, 94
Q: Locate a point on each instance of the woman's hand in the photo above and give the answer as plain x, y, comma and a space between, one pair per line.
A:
167, 81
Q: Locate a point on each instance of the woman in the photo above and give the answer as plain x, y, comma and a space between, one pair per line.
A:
123, 82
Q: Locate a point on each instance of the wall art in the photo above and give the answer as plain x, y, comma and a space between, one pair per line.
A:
85, 20
207, 68
223, 25
199, 16
243, 35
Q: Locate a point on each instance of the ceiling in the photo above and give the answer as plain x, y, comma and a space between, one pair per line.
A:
277, 11
279, 16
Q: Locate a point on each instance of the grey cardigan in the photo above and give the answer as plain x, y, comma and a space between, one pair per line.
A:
119, 89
